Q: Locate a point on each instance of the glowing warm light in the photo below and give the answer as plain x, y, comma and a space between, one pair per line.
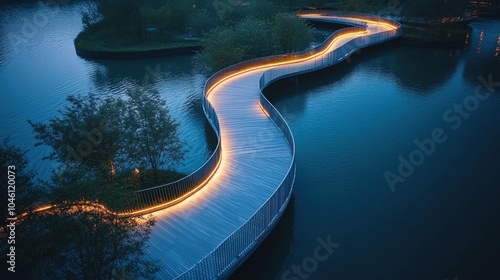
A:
220, 165
172, 202
264, 110
268, 65
391, 26
480, 42
113, 170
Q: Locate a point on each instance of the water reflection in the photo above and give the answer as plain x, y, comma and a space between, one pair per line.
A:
467, 38
37, 76
480, 42
422, 71
139, 72
498, 47
296, 86
485, 61
418, 70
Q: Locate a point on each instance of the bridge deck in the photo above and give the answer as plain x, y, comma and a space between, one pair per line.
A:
255, 159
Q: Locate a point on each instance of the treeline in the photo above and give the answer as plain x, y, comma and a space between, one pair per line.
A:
135, 21
407, 8
253, 37
243, 29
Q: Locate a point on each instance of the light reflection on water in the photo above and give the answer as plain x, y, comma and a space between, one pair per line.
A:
350, 122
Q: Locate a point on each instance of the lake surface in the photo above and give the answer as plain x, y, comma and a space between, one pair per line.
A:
39, 69
351, 122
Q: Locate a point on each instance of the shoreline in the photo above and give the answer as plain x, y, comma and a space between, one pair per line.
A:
91, 54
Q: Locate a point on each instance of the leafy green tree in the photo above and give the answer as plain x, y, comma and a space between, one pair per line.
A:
80, 242
160, 18
291, 32
27, 193
254, 37
251, 38
221, 49
119, 16
87, 133
181, 11
98, 138
202, 21
151, 135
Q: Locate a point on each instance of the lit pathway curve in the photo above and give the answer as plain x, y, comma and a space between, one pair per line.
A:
255, 159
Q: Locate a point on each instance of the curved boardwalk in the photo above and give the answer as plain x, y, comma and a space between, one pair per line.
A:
209, 234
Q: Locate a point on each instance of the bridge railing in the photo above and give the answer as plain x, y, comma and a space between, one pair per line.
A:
346, 15
236, 247
165, 194
148, 200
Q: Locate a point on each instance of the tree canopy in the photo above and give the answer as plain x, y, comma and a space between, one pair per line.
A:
27, 192
77, 242
97, 138
253, 37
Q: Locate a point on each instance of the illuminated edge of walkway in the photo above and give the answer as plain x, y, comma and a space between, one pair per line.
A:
215, 252
227, 254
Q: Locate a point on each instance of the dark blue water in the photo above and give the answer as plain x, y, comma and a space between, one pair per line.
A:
351, 123
39, 68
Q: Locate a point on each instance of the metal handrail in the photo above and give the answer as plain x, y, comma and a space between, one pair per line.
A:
236, 247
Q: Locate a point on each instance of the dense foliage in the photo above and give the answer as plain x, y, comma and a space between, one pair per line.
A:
27, 192
253, 37
70, 241
99, 139
75, 242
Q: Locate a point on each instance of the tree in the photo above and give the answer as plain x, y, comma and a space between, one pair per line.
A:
220, 49
81, 242
27, 194
202, 21
292, 33
87, 133
100, 140
254, 37
248, 39
123, 17
151, 135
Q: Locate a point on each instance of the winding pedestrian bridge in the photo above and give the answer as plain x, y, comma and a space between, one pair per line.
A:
210, 221
218, 215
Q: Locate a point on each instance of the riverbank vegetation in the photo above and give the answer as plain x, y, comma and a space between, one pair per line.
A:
436, 23
109, 147
131, 25
69, 241
252, 38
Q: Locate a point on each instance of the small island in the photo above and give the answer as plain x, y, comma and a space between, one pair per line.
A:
127, 195
141, 29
